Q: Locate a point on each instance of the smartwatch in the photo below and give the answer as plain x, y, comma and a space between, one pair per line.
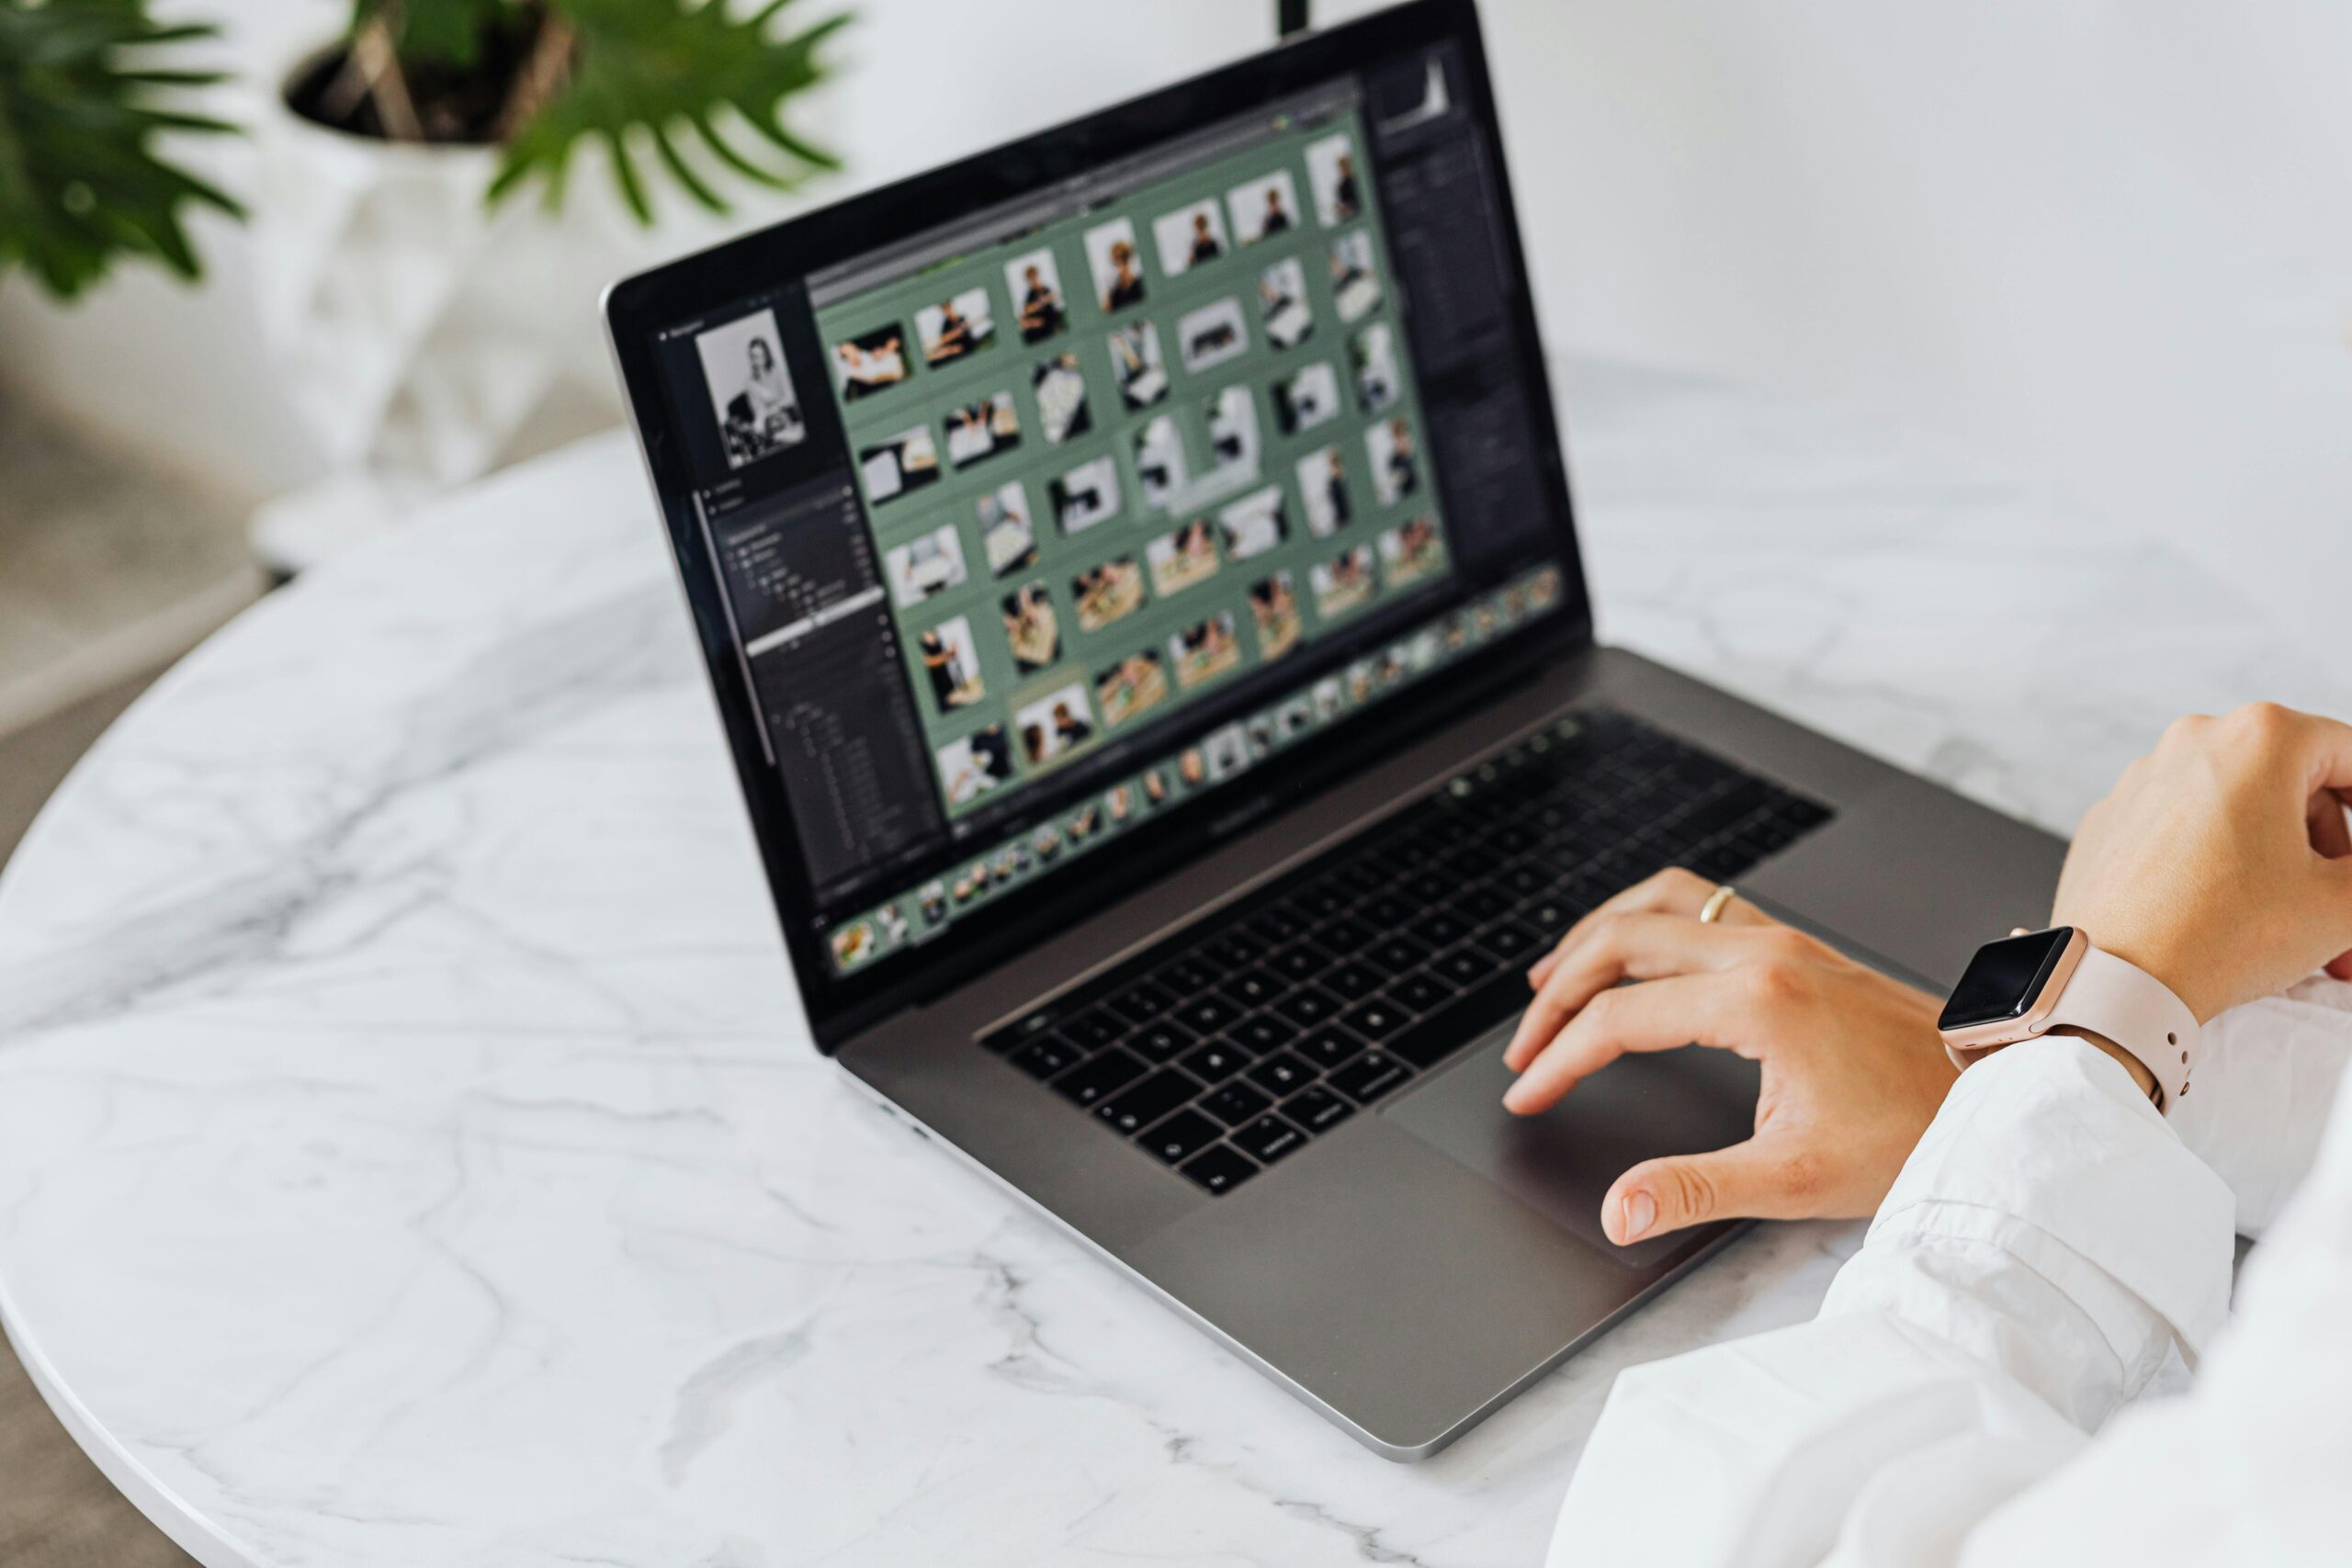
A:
2023, 987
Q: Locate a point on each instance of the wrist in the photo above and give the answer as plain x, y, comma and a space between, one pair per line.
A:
2131, 1064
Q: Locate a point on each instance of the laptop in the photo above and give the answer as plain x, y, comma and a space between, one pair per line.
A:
1149, 632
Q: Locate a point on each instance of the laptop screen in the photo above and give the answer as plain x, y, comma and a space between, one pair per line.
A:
1036, 524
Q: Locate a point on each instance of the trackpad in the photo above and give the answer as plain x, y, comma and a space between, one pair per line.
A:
1560, 1164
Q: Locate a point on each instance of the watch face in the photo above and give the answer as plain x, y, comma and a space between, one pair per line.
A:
2003, 979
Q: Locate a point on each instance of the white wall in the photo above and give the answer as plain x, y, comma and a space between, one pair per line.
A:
2104, 241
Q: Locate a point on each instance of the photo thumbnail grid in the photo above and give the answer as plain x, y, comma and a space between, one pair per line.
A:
1115, 462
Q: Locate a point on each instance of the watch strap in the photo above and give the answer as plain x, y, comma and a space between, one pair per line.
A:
2120, 1002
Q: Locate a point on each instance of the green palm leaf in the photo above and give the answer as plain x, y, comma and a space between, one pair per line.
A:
654, 75
80, 183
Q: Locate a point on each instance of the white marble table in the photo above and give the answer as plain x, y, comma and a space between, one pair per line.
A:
408, 1154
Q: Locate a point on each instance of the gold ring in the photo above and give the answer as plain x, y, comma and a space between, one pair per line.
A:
1716, 902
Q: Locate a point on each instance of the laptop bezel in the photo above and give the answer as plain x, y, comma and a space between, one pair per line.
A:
839, 1006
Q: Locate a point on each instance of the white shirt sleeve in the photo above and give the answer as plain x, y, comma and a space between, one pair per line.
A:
2049, 1248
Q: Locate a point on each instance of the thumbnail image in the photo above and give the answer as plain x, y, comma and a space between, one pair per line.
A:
1253, 525
1031, 628
1192, 767
1108, 592
1264, 207
855, 944
1007, 536
1307, 400
1054, 726
1331, 174
982, 430
1119, 801
1060, 388
1323, 487
921, 567
1116, 264
1202, 652
1411, 552
1328, 700
1342, 583
1395, 473
750, 391
1211, 335
1282, 303
1355, 286
1137, 684
1135, 356
1035, 285
904, 462
952, 661
1294, 717
933, 901
1180, 558
1160, 461
1260, 728
1231, 418
1372, 354
1047, 841
971, 767
870, 362
1227, 752
1273, 603
1189, 237
1085, 495
1156, 787
956, 327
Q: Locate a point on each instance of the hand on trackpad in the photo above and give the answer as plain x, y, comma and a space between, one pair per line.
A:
1561, 1164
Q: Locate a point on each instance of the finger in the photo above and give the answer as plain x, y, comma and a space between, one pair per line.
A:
1658, 1015
1745, 1182
1673, 891
2330, 834
1633, 946
2327, 745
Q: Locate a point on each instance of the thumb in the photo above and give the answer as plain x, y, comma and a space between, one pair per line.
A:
1661, 1195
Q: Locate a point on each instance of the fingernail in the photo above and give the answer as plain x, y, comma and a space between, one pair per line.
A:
1514, 1100
1641, 1213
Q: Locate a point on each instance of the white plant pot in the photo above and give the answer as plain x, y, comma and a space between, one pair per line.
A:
427, 339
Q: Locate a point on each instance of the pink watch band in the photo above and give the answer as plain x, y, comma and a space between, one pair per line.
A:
2126, 1004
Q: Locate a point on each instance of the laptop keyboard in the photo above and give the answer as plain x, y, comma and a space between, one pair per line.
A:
1232, 1044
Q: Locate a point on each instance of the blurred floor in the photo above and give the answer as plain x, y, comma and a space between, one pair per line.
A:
107, 575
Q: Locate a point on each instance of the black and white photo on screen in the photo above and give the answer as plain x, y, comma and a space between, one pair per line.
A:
1034, 283
1264, 207
1135, 361
1190, 236
1086, 495
1060, 387
1332, 174
1116, 264
872, 361
751, 391
1306, 399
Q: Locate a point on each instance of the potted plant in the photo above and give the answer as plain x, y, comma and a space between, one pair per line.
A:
445, 190
84, 95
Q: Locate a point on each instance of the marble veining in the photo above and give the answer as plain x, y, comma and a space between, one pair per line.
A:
408, 1153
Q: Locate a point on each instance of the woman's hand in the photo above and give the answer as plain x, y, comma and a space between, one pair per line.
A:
1853, 1067
2220, 862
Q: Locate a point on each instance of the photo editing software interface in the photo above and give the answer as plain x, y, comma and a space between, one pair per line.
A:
1030, 527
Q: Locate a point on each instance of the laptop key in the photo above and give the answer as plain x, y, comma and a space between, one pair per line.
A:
1214, 1062
1466, 1018
1281, 1073
1376, 1019
1181, 1136
1510, 942
1255, 988
1218, 1170
1306, 1007
1316, 1109
1330, 1046
1441, 930
1093, 1031
1094, 1081
1044, 1058
1262, 1033
1267, 1139
1354, 981
1303, 962
1369, 1076
1142, 1002
1159, 1042
1154, 1097
1423, 992
1466, 966
1207, 1015
1236, 1103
